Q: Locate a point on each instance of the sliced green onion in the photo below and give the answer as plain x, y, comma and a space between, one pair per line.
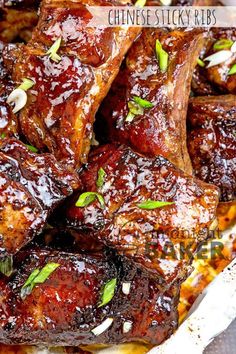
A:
232, 70
153, 204
87, 198
52, 51
140, 3
142, 103
3, 135
162, 56
218, 58
108, 292
31, 148
6, 266
200, 62
223, 44
130, 117
37, 277
26, 84
135, 108
101, 177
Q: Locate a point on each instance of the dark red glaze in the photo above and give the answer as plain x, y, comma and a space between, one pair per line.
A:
62, 104
64, 309
212, 142
31, 186
215, 80
130, 180
160, 130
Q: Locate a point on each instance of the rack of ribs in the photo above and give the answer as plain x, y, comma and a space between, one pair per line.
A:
65, 309
31, 185
66, 95
212, 141
138, 233
161, 129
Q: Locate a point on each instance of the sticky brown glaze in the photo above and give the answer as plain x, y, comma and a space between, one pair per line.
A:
143, 235
161, 130
62, 104
215, 80
31, 186
65, 308
8, 121
212, 141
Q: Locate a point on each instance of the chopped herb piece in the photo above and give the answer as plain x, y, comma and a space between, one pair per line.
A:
201, 62
102, 327
223, 44
88, 197
101, 177
153, 204
37, 277
232, 70
31, 148
142, 103
162, 56
3, 135
135, 108
108, 292
140, 3
26, 84
52, 52
130, 116
6, 266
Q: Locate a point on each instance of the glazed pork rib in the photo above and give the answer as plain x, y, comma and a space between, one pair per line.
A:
212, 141
64, 310
140, 233
161, 129
62, 104
31, 185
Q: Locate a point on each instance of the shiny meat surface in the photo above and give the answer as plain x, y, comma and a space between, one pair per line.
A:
31, 186
215, 80
62, 104
160, 130
143, 235
212, 141
65, 308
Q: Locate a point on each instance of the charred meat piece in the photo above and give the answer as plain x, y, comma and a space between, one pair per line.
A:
67, 93
212, 141
64, 309
215, 80
160, 129
31, 186
136, 231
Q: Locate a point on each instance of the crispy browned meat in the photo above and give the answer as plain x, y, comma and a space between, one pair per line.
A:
215, 80
66, 95
160, 130
17, 23
141, 234
31, 186
65, 308
212, 141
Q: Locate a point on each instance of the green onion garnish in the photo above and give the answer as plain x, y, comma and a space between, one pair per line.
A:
101, 177
31, 148
232, 70
200, 62
153, 204
142, 103
88, 197
140, 3
52, 51
26, 84
108, 292
162, 56
37, 277
6, 266
3, 135
223, 44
